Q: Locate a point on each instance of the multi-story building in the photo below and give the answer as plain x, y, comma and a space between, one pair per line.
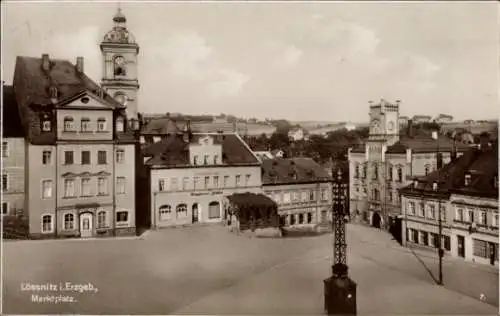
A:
465, 193
443, 118
387, 162
403, 121
301, 188
189, 175
13, 156
79, 153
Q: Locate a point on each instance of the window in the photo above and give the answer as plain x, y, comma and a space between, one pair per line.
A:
301, 218
447, 243
390, 196
421, 209
46, 157
206, 182
356, 171
101, 219
5, 182
161, 185
68, 158
286, 197
86, 187
195, 160
46, 125
303, 196
5, 149
375, 172
238, 180
400, 174
292, 219
69, 188
247, 180
467, 179
311, 195
389, 173
69, 124
122, 216
173, 184
415, 236
309, 218
120, 155
495, 220
364, 171
119, 124
424, 238
120, 185
296, 196
411, 208
102, 186
375, 194
165, 212
85, 157
431, 212
185, 183
196, 183
324, 195
5, 208
470, 216
427, 169
85, 125
101, 157
216, 159
69, 221
434, 240
214, 210
480, 248
47, 226
101, 124
46, 189
216, 181
205, 160
483, 218
226, 181
181, 210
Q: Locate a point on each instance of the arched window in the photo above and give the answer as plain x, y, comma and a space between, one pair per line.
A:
181, 210
119, 124
356, 171
400, 174
46, 123
101, 124
101, 219
214, 210
375, 171
119, 66
69, 221
69, 124
166, 212
47, 226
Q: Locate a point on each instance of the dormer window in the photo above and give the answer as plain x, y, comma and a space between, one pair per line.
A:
46, 124
119, 124
69, 124
101, 124
467, 179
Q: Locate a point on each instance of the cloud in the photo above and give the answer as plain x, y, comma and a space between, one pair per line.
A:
189, 55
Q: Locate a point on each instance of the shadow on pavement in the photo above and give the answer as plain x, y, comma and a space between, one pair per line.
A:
302, 233
425, 266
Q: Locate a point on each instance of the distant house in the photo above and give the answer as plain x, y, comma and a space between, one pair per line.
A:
263, 155
403, 120
443, 118
277, 153
421, 119
297, 134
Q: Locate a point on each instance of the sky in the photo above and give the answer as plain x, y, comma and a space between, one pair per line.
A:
299, 61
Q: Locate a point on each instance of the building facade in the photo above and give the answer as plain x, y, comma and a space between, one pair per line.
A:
191, 174
465, 192
302, 190
388, 161
13, 156
79, 154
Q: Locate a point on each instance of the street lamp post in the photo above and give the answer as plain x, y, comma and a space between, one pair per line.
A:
435, 187
340, 290
135, 127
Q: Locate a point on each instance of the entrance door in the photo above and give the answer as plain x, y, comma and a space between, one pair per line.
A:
195, 213
461, 246
86, 225
493, 254
376, 220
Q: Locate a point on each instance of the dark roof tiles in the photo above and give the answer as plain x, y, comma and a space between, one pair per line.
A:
292, 170
11, 124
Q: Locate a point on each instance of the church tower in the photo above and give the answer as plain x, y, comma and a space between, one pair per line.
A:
119, 52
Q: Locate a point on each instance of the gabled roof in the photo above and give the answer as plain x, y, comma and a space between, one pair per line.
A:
32, 83
173, 150
481, 164
292, 170
11, 124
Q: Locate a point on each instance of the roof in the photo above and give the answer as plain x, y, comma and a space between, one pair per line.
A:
481, 164
423, 144
32, 83
11, 125
251, 199
173, 150
292, 170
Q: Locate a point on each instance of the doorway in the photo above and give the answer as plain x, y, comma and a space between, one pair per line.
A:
194, 214
86, 225
461, 246
376, 220
493, 253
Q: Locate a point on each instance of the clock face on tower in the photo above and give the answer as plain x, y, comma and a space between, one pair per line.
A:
120, 61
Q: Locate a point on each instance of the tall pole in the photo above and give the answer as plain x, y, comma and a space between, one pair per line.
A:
440, 221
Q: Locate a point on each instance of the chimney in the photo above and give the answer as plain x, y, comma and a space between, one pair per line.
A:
45, 62
79, 64
410, 128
